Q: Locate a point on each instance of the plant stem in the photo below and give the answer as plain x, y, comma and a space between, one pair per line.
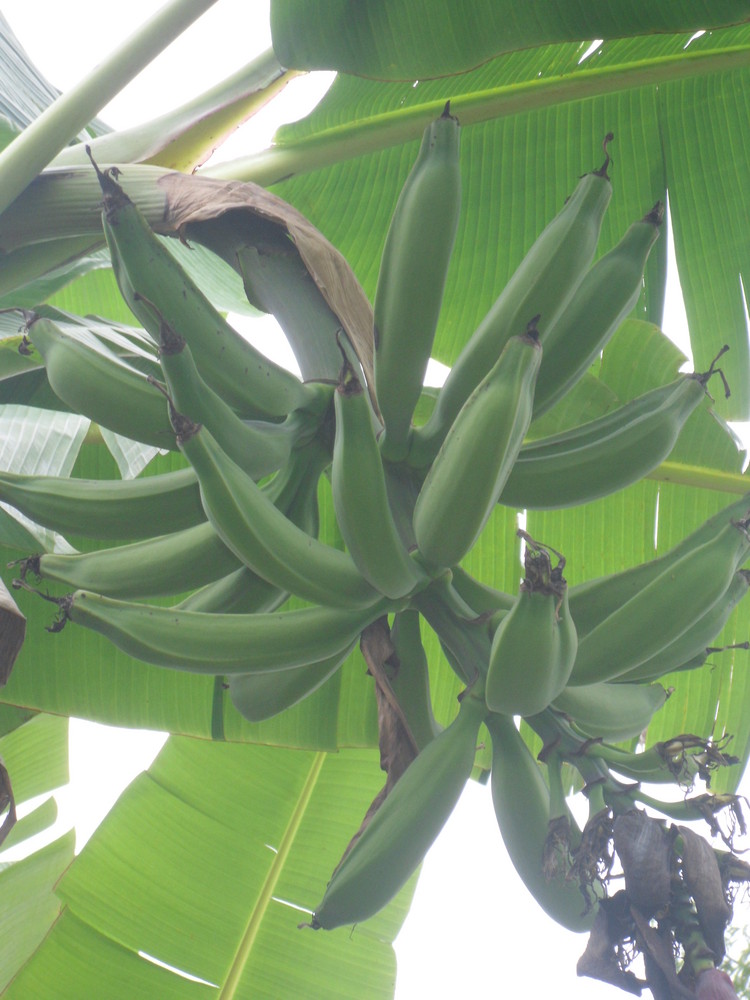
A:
392, 128
30, 153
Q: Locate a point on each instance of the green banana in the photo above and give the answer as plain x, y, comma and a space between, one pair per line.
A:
521, 800
261, 535
611, 712
95, 382
360, 499
147, 272
664, 609
695, 641
240, 592
260, 696
259, 448
678, 760
412, 276
593, 600
541, 285
294, 490
399, 834
604, 455
534, 646
107, 508
605, 296
470, 470
696, 807
208, 643
168, 564
410, 681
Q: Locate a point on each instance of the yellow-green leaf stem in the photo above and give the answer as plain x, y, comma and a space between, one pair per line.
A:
242, 956
368, 135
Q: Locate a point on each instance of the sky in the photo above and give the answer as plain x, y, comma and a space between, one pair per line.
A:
473, 929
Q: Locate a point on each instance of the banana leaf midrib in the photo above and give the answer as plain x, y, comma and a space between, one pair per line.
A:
399, 125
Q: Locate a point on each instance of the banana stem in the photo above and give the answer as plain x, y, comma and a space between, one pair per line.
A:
696, 475
40, 142
368, 135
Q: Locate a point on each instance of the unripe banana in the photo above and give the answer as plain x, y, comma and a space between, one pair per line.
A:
694, 808
607, 454
410, 681
696, 640
611, 712
206, 643
263, 537
399, 834
476, 458
675, 761
534, 646
412, 276
260, 696
605, 296
294, 490
95, 382
107, 508
541, 285
522, 807
237, 593
360, 499
592, 601
663, 610
259, 448
168, 564
147, 272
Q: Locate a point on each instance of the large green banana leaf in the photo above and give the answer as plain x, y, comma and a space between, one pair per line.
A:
534, 118
391, 40
226, 850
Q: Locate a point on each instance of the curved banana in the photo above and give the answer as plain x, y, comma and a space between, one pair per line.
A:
470, 471
663, 610
168, 564
522, 806
410, 681
240, 592
261, 535
95, 382
696, 640
260, 448
260, 696
541, 285
208, 643
593, 600
604, 455
360, 499
534, 646
107, 508
147, 272
675, 761
412, 276
611, 712
605, 296
399, 834
294, 490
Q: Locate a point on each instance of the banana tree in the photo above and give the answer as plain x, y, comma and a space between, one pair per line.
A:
276, 800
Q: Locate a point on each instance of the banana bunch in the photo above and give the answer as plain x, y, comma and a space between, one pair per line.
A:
234, 533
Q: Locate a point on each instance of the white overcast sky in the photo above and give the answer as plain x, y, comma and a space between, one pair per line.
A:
473, 929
